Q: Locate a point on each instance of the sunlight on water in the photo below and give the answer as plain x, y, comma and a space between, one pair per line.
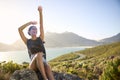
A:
0, 56
22, 56
5, 56
16, 56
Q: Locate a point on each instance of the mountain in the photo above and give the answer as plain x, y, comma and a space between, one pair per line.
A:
19, 45
67, 39
5, 47
115, 38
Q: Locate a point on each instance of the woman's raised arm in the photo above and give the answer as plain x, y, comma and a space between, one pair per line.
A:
41, 23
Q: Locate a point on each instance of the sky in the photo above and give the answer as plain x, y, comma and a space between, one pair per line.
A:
92, 19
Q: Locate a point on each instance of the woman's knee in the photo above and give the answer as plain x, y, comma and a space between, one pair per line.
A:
32, 67
40, 54
47, 66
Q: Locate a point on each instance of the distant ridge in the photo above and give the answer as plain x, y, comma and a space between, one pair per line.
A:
66, 39
19, 45
4, 46
115, 38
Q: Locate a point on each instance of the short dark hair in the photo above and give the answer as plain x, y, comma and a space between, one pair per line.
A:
30, 29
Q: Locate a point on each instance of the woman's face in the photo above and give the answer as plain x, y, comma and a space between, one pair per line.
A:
33, 31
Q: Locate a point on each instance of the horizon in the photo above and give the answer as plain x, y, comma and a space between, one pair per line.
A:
62, 33
91, 19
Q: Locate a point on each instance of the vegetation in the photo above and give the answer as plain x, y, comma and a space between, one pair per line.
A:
112, 70
66, 57
7, 68
100, 63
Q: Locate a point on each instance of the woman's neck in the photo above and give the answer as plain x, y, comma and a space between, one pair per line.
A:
34, 38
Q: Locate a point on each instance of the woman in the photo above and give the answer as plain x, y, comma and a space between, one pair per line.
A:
36, 48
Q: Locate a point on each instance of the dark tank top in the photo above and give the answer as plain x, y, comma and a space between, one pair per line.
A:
35, 46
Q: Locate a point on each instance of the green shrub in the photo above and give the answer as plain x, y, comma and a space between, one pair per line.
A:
111, 71
10, 67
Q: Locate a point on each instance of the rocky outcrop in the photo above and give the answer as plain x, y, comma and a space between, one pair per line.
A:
27, 74
63, 76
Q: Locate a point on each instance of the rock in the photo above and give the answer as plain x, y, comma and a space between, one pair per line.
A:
28, 74
63, 76
111, 57
25, 74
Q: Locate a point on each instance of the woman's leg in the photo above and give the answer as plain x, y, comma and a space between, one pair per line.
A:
32, 64
40, 65
37, 63
49, 72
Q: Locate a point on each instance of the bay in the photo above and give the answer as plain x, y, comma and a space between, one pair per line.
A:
22, 56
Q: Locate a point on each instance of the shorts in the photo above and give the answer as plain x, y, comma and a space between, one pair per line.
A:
44, 60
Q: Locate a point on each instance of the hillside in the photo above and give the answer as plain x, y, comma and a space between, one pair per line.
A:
4, 47
99, 63
96, 64
115, 38
19, 45
67, 39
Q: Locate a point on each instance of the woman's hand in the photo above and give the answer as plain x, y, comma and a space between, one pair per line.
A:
33, 22
40, 8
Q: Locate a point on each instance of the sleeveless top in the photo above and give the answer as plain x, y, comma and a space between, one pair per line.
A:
35, 46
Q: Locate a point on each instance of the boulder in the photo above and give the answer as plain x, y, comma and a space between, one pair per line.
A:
64, 76
28, 74
25, 74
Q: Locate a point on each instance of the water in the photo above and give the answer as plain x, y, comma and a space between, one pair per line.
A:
22, 56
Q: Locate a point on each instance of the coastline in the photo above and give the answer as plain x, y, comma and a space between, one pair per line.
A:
22, 55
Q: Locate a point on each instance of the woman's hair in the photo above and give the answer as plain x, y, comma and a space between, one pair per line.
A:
30, 29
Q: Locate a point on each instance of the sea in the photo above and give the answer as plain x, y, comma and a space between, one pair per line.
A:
22, 56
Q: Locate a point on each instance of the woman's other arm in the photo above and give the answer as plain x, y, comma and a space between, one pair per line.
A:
41, 23
20, 29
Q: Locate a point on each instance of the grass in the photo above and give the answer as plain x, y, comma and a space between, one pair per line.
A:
94, 65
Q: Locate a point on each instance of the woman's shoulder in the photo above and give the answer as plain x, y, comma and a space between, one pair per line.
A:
28, 39
38, 38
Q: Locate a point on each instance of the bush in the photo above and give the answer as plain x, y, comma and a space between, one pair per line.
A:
111, 72
10, 67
